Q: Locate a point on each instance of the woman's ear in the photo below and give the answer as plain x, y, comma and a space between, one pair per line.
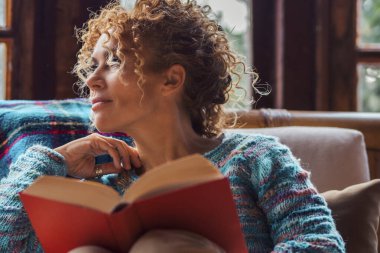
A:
175, 77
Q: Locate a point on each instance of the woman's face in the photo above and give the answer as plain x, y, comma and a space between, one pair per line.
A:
119, 104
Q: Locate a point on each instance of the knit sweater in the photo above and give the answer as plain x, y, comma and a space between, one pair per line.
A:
278, 207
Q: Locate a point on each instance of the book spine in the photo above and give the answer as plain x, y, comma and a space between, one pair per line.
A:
126, 227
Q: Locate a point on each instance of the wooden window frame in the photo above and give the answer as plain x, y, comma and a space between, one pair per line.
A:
307, 51
7, 37
9, 11
42, 57
277, 29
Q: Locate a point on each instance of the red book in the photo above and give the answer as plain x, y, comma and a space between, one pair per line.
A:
188, 194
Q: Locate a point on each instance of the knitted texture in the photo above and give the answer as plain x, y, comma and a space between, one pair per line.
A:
51, 123
278, 207
16, 232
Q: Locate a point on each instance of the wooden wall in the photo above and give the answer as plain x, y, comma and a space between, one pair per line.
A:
45, 46
306, 50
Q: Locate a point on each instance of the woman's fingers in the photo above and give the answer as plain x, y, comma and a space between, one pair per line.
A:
80, 156
104, 169
121, 153
133, 156
102, 145
124, 152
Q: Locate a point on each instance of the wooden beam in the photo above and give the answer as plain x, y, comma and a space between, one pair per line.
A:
368, 56
44, 75
343, 77
22, 58
298, 64
264, 47
6, 33
322, 62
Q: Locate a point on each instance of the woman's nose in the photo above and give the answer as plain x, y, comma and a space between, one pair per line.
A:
95, 81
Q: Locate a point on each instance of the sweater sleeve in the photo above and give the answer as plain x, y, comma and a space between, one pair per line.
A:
16, 232
298, 217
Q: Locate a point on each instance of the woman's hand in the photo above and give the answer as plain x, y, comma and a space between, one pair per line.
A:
80, 156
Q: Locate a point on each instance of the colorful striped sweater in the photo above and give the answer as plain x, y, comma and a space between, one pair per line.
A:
278, 207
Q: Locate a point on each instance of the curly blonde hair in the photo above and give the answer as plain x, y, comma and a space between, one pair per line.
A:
160, 33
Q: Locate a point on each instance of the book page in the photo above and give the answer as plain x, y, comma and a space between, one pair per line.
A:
82, 193
184, 172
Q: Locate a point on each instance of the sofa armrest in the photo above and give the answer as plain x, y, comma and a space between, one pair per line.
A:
336, 157
367, 123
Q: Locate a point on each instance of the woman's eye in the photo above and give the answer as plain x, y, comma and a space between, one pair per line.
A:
93, 67
115, 61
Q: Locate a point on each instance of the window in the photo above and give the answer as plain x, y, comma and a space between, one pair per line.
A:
5, 48
127, 3
369, 87
368, 47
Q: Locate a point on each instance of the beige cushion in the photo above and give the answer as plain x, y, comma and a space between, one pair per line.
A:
356, 211
174, 241
336, 157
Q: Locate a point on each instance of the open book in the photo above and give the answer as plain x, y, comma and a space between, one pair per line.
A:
188, 193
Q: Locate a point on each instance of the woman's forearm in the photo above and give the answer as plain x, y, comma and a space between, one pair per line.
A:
16, 232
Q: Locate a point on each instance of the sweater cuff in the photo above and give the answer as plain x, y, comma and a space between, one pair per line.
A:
54, 161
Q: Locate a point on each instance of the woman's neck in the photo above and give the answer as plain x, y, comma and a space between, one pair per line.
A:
167, 141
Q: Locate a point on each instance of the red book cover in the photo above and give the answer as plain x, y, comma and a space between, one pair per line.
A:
67, 213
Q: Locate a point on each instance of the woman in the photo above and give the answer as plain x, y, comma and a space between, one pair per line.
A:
161, 73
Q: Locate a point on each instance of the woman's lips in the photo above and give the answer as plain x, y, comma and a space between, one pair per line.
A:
98, 103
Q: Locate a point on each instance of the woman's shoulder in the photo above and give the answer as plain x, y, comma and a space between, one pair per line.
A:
245, 143
248, 139
248, 136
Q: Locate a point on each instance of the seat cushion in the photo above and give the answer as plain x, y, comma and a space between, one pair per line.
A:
336, 157
51, 123
356, 211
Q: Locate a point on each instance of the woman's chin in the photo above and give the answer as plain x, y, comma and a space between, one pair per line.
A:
104, 128
105, 125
